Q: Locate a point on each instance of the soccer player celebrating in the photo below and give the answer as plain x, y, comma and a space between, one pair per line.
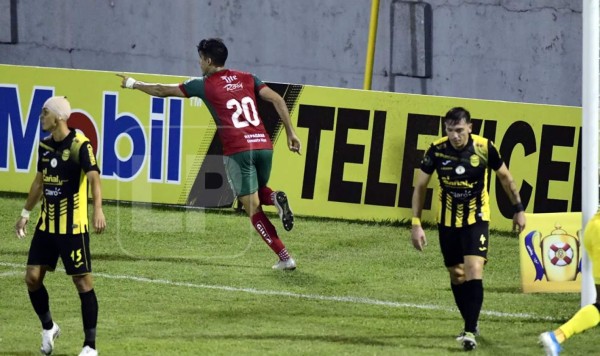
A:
230, 96
66, 163
588, 316
462, 161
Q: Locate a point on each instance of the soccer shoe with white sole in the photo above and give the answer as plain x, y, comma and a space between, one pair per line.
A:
460, 336
88, 351
48, 337
283, 209
468, 341
287, 265
550, 344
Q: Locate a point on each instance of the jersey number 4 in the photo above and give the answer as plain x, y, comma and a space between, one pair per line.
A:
248, 108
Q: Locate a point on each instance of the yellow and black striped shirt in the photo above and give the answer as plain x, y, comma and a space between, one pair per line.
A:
64, 166
463, 177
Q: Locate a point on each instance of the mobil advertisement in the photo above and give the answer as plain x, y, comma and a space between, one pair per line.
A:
144, 152
361, 149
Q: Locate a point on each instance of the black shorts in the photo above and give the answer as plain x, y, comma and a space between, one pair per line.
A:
74, 250
456, 243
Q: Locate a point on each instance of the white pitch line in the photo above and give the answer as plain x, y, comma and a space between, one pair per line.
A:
341, 299
10, 273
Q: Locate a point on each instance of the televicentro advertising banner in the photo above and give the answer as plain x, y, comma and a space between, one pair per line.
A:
361, 149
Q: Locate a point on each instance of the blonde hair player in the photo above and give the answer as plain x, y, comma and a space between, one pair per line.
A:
66, 163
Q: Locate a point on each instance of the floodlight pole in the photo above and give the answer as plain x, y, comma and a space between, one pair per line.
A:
371, 44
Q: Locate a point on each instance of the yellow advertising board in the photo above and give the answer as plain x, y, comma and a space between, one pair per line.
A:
149, 149
550, 251
361, 149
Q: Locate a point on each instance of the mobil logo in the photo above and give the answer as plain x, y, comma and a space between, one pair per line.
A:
123, 143
18, 135
128, 144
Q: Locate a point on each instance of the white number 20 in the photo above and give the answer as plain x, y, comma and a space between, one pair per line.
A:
247, 107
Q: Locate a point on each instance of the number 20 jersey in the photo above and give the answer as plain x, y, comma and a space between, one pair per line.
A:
230, 96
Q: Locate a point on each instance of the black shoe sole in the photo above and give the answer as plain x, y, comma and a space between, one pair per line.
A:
469, 346
287, 217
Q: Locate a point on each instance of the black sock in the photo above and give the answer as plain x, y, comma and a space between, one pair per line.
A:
89, 314
459, 297
41, 305
473, 290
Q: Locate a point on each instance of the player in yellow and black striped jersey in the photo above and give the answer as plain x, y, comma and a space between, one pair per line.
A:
64, 199
66, 164
462, 162
463, 177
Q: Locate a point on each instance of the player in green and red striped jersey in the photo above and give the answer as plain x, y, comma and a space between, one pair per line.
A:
230, 96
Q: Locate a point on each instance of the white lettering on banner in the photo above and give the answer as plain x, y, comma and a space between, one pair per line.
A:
195, 101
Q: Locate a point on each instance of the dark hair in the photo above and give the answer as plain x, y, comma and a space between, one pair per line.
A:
215, 49
454, 115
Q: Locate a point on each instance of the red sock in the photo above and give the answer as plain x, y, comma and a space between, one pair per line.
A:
265, 195
267, 231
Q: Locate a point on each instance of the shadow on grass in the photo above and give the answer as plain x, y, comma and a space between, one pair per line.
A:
503, 290
339, 339
129, 258
422, 343
289, 278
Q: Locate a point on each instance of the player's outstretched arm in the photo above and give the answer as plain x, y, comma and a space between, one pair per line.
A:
35, 193
271, 96
154, 89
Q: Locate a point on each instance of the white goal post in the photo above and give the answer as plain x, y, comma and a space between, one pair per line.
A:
590, 107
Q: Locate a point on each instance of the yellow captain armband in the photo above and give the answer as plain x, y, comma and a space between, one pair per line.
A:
416, 221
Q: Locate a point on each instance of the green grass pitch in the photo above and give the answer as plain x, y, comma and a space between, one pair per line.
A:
194, 282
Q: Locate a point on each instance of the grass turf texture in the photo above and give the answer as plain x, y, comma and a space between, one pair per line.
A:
193, 282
